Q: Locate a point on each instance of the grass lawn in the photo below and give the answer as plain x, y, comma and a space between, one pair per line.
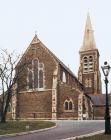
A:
97, 137
23, 126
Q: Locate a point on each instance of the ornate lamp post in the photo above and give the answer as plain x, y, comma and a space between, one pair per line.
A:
106, 70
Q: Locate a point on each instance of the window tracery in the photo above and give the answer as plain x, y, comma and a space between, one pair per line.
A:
68, 105
36, 75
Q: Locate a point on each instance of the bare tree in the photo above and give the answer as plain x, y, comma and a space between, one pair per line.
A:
13, 71
8, 78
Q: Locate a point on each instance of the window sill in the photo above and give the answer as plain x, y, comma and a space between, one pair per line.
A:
68, 111
33, 90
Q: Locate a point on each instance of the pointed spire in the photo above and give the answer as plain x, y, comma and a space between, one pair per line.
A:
88, 41
35, 39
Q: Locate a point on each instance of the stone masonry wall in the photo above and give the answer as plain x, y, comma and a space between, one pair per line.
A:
35, 103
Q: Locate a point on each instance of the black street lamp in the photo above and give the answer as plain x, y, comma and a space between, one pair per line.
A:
106, 70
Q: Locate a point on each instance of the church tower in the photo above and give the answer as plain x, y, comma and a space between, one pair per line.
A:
89, 74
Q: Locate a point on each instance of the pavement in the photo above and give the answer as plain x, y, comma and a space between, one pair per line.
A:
86, 135
54, 129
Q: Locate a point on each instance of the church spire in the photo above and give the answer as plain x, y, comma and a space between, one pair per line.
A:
88, 41
89, 74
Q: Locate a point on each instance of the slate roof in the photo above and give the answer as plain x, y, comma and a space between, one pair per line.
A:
100, 100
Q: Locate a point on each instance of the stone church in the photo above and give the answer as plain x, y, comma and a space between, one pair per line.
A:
48, 89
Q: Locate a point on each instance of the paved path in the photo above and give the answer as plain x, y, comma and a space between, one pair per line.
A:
64, 129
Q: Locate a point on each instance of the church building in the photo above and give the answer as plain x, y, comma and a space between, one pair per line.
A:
48, 89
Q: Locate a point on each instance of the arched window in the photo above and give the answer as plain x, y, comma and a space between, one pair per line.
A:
30, 80
36, 75
35, 78
70, 105
66, 105
41, 75
88, 64
85, 59
85, 64
90, 58
35, 64
41, 79
63, 77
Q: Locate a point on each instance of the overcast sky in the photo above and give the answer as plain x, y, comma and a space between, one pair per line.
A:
59, 24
